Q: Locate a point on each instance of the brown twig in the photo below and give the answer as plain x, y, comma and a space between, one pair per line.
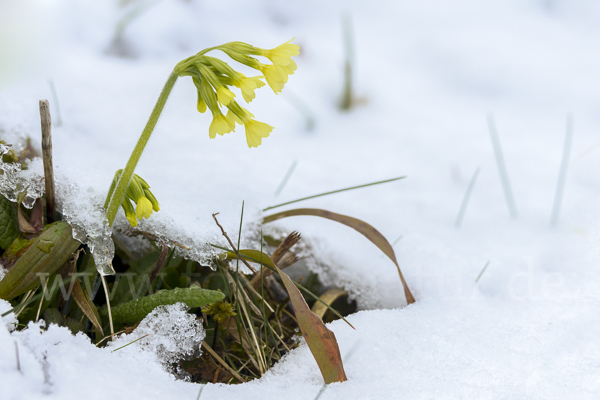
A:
160, 263
231, 244
154, 238
47, 156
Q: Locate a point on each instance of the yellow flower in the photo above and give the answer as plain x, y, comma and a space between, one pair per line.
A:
129, 211
143, 208
214, 78
221, 125
224, 95
282, 55
200, 105
150, 196
139, 192
255, 131
238, 114
248, 86
220, 311
288, 69
274, 75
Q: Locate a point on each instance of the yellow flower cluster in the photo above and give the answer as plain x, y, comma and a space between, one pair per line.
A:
139, 192
220, 311
213, 79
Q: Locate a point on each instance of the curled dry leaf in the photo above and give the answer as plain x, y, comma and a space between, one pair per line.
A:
362, 227
320, 340
328, 297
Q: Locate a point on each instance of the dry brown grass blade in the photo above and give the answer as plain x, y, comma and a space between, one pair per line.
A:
24, 225
280, 252
87, 306
230, 327
362, 227
37, 216
321, 341
230, 242
254, 292
285, 246
288, 260
160, 263
328, 297
233, 286
266, 260
82, 298
222, 362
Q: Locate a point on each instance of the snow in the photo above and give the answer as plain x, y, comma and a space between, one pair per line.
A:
168, 332
428, 75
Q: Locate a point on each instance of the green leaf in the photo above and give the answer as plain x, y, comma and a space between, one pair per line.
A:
136, 310
43, 258
15, 250
252, 255
362, 227
9, 225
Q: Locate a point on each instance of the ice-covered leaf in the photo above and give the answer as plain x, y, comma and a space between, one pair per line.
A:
9, 227
16, 181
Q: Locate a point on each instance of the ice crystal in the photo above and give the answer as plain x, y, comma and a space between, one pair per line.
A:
172, 334
16, 181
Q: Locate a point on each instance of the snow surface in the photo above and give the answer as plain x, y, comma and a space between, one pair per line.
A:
427, 75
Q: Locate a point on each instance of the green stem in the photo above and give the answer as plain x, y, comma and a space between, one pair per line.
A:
119, 192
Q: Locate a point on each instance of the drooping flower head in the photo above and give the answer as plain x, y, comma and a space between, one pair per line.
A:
138, 192
214, 80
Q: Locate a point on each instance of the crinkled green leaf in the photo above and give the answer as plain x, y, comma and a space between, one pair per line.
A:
136, 310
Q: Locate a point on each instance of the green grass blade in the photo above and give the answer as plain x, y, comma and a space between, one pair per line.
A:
287, 176
314, 296
482, 271
465, 202
130, 343
334, 191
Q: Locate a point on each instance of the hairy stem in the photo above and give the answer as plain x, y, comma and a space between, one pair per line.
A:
117, 196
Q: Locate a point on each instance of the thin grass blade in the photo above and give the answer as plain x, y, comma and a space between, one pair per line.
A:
132, 342
465, 202
334, 191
